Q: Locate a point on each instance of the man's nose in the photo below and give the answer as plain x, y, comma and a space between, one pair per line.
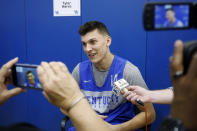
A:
88, 47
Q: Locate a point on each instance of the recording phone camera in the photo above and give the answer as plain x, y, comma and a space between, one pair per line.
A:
170, 15
25, 76
189, 49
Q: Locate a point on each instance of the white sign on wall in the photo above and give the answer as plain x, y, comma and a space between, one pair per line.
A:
66, 8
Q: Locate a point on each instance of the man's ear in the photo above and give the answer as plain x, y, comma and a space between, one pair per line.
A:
109, 39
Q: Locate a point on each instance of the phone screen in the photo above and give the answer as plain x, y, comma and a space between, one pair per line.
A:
172, 16
26, 76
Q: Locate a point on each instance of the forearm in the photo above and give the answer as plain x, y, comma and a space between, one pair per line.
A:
161, 96
139, 120
85, 119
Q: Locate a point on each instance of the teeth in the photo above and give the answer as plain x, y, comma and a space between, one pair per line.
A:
91, 54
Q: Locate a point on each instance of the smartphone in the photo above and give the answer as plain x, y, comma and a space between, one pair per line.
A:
25, 76
170, 15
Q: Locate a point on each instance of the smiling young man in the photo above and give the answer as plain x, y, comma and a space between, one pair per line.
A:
31, 81
172, 21
97, 75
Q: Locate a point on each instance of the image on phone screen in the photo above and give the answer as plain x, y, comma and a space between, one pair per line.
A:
171, 16
26, 76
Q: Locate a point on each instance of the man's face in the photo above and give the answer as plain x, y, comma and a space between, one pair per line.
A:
170, 15
30, 77
95, 45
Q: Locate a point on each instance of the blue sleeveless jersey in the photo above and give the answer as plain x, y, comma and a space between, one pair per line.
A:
102, 99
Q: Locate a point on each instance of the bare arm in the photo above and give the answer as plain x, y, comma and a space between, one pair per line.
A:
133, 76
138, 121
85, 119
62, 90
161, 96
164, 96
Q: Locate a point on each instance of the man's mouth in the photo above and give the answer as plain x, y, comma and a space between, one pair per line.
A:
92, 55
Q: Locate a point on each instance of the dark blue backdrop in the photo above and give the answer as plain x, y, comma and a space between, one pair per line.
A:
29, 30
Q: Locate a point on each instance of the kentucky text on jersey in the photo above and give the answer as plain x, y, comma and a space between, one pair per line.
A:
103, 101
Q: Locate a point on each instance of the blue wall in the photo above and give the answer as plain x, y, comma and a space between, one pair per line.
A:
29, 30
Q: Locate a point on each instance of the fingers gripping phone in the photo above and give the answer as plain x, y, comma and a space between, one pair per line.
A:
25, 76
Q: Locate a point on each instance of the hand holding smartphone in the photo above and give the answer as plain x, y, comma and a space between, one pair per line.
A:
25, 75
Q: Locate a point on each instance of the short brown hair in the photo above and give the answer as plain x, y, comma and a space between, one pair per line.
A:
92, 25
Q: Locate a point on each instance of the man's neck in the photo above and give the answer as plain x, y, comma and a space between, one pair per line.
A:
32, 82
173, 20
105, 64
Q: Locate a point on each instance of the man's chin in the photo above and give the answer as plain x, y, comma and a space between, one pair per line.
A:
93, 61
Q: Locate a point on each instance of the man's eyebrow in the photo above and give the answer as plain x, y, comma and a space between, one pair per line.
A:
89, 40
